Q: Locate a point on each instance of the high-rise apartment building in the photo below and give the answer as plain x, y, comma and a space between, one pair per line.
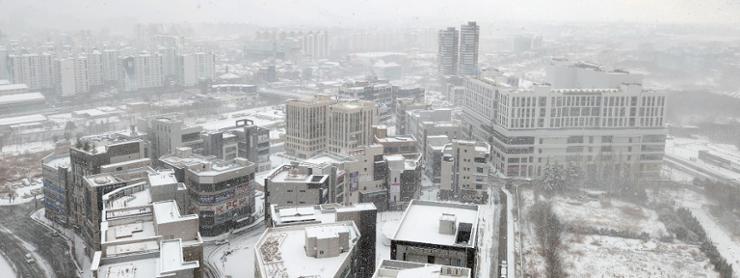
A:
447, 51
469, 39
350, 125
110, 65
306, 123
192, 68
617, 125
95, 68
34, 70
141, 71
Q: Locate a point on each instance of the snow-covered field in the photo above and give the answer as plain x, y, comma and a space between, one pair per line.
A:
591, 255
604, 256
614, 215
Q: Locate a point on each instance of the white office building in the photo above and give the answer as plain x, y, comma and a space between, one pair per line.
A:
610, 126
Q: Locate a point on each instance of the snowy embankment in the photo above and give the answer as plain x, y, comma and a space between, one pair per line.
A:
6, 270
727, 247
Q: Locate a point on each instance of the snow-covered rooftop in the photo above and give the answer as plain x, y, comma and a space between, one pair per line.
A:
22, 119
402, 269
20, 98
421, 223
280, 251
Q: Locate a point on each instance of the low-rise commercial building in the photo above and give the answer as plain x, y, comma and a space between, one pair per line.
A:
465, 171
221, 192
437, 233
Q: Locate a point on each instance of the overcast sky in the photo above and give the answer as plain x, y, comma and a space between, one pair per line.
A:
75, 13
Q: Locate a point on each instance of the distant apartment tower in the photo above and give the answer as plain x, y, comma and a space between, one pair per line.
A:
617, 125
438, 233
4, 64
95, 69
465, 170
141, 71
469, 40
306, 123
315, 45
447, 51
350, 125
195, 67
34, 70
221, 192
72, 76
110, 65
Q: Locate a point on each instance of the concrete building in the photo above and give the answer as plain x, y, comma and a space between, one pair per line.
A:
144, 233
464, 171
295, 185
94, 189
404, 179
312, 250
306, 124
401, 269
437, 233
254, 144
221, 192
141, 71
315, 45
595, 129
447, 51
350, 125
380, 92
169, 132
366, 176
164, 261
55, 171
433, 156
364, 215
400, 144
404, 105
469, 40
424, 123
107, 153
34, 70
